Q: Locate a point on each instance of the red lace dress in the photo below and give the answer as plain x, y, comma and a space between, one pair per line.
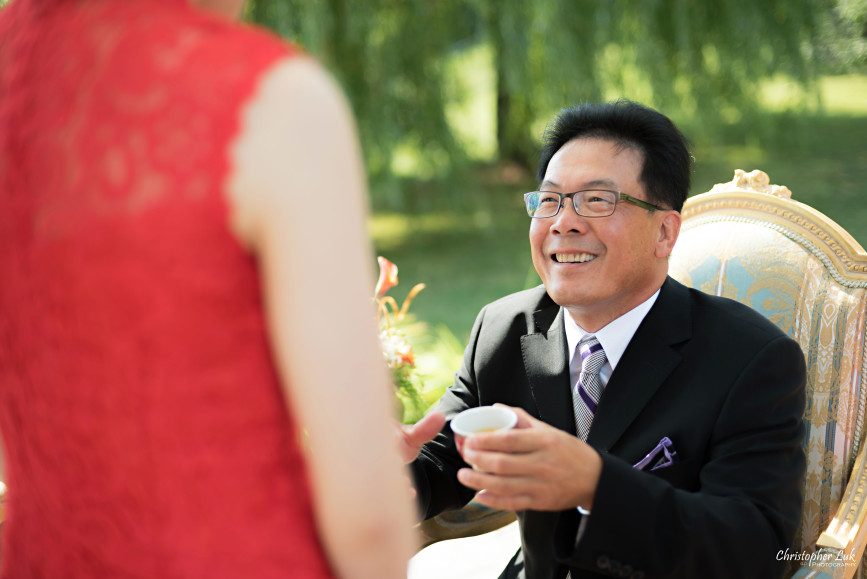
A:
144, 428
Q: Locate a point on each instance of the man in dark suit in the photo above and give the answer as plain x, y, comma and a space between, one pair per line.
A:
659, 428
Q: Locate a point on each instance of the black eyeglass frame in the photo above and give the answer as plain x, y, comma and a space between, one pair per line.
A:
618, 196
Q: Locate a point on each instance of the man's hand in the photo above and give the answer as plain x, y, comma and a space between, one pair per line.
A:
413, 437
534, 466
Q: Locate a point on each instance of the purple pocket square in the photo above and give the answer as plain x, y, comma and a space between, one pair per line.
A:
660, 457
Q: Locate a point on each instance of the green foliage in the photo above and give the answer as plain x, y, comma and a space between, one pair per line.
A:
388, 55
843, 45
438, 355
468, 259
700, 62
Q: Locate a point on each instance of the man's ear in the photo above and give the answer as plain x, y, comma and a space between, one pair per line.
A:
669, 229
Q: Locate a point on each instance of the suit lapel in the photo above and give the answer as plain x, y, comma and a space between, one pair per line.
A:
646, 363
546, 365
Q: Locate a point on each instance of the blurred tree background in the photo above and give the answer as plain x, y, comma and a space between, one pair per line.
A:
452, 97
437, 84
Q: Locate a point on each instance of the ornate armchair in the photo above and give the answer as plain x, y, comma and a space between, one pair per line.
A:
749, 241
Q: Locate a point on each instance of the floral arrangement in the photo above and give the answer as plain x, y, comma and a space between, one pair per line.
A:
396, 349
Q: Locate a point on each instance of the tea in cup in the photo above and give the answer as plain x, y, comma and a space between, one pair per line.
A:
481, 419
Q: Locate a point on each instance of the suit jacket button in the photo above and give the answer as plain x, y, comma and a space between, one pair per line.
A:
603, 562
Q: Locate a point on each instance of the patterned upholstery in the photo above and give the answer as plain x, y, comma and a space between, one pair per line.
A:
748, 241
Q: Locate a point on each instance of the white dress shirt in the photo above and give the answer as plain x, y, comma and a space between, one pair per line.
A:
614, 337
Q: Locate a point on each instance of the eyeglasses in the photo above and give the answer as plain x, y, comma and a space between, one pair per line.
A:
590, 203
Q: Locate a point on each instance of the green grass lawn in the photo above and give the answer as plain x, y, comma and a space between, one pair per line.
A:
470, 257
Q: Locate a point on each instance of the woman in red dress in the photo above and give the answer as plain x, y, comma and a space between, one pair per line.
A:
188, 362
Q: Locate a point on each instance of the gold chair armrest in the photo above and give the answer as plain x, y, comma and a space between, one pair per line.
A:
473, 519
840, 547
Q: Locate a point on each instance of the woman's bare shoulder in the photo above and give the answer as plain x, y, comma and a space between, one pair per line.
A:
295, 112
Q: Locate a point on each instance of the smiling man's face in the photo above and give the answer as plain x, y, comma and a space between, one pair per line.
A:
600, 268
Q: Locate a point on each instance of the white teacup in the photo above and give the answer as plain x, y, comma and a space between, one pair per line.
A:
481, 419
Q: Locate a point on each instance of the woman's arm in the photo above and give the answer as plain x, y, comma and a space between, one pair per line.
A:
298, 199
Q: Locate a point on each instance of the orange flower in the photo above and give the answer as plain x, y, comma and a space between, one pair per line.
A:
387, 276
406, 355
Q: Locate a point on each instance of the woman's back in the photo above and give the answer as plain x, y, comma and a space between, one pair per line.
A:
146, 433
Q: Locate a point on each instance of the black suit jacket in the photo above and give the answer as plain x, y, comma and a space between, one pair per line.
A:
721, 382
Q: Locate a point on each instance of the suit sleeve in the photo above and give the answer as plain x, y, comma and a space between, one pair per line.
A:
435, 470
748, 503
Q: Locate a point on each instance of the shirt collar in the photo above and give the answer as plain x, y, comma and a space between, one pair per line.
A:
615, 336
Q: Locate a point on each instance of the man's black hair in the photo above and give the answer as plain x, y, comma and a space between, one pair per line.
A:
665, 151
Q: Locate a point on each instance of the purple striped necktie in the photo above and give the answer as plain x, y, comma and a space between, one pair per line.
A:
588, 390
